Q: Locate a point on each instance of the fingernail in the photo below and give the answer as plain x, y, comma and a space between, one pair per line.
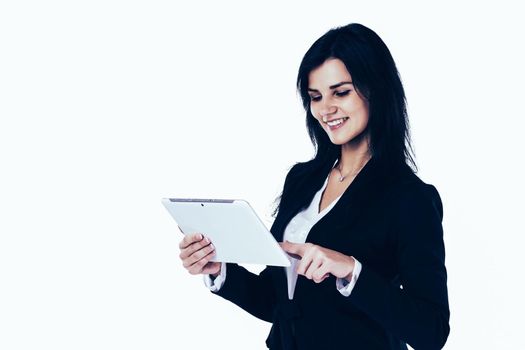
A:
206, 239
212, 246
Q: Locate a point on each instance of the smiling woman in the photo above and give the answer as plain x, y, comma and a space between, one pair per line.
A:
363, 231
342, 112
338, 107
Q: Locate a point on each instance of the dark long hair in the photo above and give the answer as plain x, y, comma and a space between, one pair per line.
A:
376, 78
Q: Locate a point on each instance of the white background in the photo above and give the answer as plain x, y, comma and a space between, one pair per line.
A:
107, 106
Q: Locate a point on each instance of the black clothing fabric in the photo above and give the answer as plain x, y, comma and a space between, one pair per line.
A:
392, 224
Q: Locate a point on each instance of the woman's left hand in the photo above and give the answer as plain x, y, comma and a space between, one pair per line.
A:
318, 262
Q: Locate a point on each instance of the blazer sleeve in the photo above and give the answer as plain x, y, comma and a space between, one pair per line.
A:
253, 293
418, 311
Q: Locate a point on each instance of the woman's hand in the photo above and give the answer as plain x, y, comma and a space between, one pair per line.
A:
317, 263
196, 252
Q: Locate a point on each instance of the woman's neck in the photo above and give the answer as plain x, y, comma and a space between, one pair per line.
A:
354, 156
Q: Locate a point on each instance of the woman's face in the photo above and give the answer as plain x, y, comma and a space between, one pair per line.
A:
342, 113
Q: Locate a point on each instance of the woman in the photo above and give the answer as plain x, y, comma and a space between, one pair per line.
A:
366, 231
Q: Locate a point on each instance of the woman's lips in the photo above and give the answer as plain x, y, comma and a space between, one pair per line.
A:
337, 123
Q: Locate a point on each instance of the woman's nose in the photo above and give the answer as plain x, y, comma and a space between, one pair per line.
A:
327, 110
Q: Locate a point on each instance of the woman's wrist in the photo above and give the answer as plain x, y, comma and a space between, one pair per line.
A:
349, 276
216, 274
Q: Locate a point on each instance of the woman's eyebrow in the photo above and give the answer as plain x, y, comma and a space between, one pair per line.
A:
335, 86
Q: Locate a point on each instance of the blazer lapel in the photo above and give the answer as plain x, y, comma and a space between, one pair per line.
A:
368, 182
362, 190
292, 206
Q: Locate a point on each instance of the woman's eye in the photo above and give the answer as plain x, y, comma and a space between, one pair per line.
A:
338, 94
342, 93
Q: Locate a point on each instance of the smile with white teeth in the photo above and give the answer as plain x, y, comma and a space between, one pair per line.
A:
337, 121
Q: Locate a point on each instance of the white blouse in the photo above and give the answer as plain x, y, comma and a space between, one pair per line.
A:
296, 232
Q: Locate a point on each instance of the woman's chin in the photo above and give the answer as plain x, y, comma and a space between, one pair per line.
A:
349, 139
339, 140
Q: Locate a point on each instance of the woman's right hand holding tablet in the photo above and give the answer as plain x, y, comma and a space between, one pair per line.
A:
196, 251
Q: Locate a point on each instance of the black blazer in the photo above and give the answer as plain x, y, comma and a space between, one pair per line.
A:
391, 223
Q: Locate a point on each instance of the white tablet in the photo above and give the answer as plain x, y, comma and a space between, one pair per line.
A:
238, 234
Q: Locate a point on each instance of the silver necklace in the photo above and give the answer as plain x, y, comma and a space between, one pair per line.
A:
343, 177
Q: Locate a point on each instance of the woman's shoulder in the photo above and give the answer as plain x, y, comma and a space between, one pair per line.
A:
301, 167
299, 170
409, 191
300, 181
